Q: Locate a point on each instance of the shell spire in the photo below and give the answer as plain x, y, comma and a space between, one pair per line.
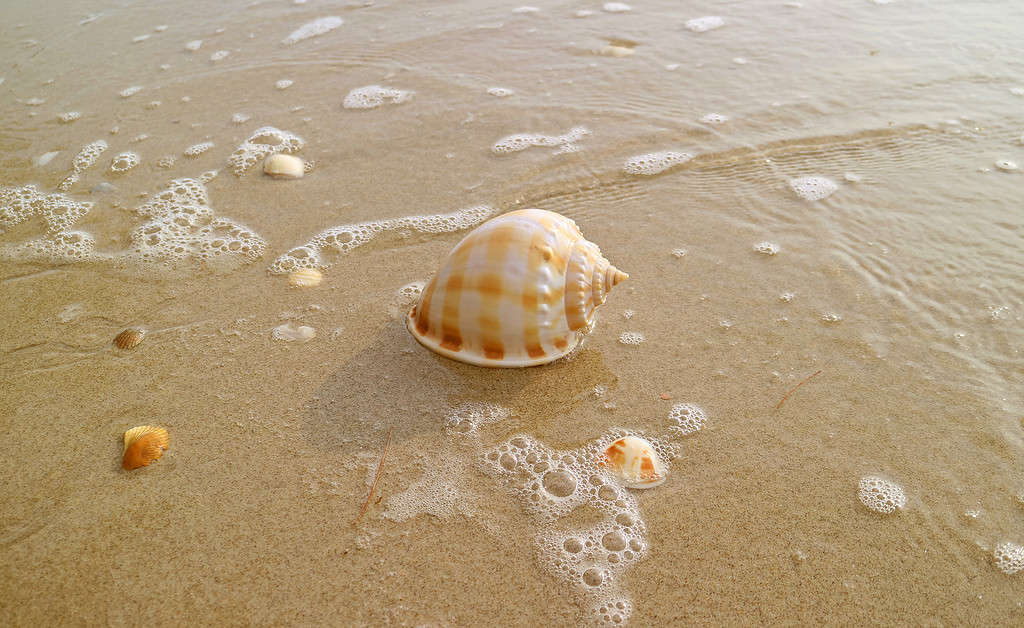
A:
519, 290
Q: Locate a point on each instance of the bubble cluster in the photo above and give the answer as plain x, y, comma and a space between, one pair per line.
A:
83, 160
500, 92
69, 116
240, 118
198, 149
521, 141
219, 55
373, 96
128, 92
831, 318
631, 338
263, 142
58, 212
344, 238
813, 188
654, 163
467, 418
704, 24
881, 495
313, 29
714, 118
679, 253
686, 418
1009, 557
411, 291
550, 484
616, 7
194, 45
284, 84
124, 162
766, 248
181, 226
522, 10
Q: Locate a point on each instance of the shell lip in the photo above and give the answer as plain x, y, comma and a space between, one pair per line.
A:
479, 360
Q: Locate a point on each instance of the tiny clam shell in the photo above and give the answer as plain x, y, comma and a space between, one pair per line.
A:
634, 460
305, 278
143, 445
129, 339
281, 166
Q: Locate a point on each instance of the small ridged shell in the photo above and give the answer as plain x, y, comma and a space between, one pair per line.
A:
281, 166
634, 460
143, 445
519, 290
129, 338
305, 278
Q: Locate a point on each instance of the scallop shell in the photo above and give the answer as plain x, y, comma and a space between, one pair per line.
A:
305, 278
519, 290
129, 339
143, 445
634, 460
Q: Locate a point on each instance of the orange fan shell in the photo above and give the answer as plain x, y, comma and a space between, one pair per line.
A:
143, 445
634, 460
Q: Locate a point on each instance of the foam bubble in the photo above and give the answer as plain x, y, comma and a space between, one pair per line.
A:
293, 333
141, 38
313, 29
686, 418
679, 253
128, 92
813, 188
1009, 557
194, 45
263, 142
124, 162
198, 149
616, 7
240, 118
284, 84
704, 24
831, 318
521, 141
373, 96
650, 164
714, 118
219, 55
35, 102
342, 239
1006, 165
500, 92
522, 10
766, 248
631, 338
83, 160
69, 116
881, 495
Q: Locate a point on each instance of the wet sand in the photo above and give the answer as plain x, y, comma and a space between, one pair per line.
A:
902, 288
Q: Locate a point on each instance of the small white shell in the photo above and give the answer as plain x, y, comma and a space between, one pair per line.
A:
634, 460
281, 166
519, 290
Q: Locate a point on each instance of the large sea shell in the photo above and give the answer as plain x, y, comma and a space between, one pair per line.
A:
519, 290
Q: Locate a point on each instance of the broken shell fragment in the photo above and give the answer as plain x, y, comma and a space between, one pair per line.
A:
634, 460
143, 445
519, 290
281, 166
305, 278
129, 339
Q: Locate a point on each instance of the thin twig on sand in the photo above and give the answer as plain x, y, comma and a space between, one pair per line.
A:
793, 389
380, 468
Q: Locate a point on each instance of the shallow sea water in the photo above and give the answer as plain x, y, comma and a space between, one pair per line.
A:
899, 291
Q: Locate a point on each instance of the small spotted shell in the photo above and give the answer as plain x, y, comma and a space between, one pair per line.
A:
305, 278
143, 445
634, 460
519, 290
129, 339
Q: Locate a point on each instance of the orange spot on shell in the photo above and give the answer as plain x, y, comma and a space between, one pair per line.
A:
143, 445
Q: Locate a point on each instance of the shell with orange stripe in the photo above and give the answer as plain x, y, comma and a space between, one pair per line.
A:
519, 290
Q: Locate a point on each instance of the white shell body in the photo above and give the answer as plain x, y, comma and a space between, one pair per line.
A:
634, 460
519, 290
